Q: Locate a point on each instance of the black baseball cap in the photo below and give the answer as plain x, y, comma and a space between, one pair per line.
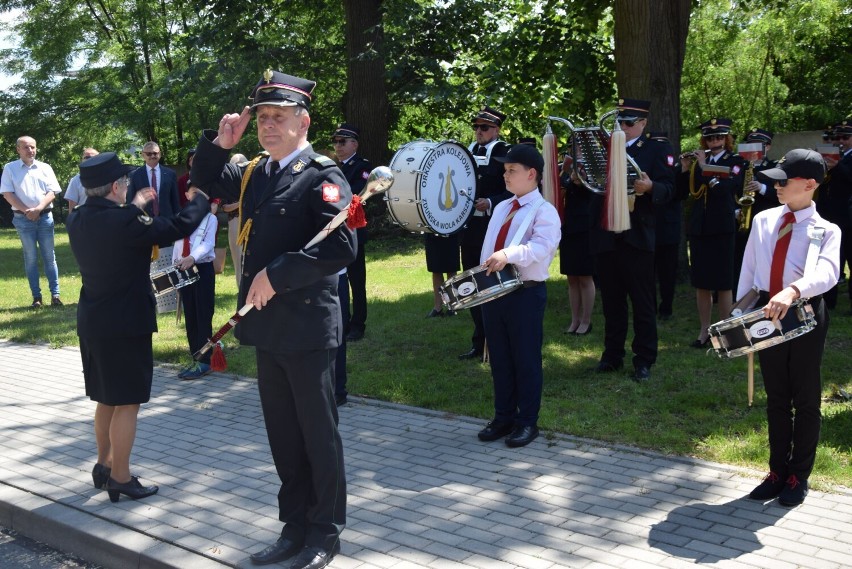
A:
798, 163
525, 154
103, 169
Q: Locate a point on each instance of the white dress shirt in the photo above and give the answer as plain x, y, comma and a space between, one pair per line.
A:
30, 183
757, 260
201, 242
75, 191
537, 247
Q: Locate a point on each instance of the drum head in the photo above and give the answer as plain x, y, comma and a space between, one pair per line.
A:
434, 187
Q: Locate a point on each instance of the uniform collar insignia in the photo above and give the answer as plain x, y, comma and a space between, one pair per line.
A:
639, 143
299, 166
145, 219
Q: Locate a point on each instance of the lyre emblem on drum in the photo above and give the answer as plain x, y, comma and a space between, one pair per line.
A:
451, 194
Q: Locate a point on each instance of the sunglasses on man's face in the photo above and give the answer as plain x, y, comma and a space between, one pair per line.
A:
629, 122
783, 183
339, 141
151, 154
843, 137
714, 136
484, 127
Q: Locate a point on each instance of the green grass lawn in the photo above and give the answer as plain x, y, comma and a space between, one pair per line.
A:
695, 403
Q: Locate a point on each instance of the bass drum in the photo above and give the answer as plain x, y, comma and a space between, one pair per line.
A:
434, 187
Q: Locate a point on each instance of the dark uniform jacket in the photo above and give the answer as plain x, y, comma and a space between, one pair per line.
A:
112, 244
714, 212
356, 171
766, 200
286, 213
489, 185
652, 156
576, 199
834, 201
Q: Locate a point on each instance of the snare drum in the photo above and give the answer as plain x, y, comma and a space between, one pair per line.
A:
434, 187
172, 279
473, 287
752, 331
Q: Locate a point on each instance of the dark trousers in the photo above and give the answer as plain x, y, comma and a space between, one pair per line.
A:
627, 272
791, 377
357, 275
297, 396
340, 362
665, 265
471, 249
199, 300
845, 249
514, 327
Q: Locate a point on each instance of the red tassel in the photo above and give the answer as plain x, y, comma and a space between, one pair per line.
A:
217, 360
356, 217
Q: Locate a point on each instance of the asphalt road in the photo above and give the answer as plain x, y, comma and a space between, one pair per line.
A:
20, 552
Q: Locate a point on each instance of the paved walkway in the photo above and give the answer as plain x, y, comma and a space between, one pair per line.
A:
423, 492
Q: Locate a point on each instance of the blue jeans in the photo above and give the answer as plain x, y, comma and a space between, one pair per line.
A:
38, 235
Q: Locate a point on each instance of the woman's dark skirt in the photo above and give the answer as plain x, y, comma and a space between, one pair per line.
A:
442, 253
711, 261
575, 258
118, 371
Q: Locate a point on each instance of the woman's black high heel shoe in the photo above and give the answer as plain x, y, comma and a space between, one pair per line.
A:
100, 475
133, 489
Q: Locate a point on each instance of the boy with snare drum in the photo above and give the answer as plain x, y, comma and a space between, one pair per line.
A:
785, 259
524, 231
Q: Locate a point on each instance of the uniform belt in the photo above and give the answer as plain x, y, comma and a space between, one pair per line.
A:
530, 284
43, 212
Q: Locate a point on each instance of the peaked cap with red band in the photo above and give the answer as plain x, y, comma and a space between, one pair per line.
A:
282, 90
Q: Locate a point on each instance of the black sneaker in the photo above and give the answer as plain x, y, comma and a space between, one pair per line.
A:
36, 303
794, 492
56, 301
768, 489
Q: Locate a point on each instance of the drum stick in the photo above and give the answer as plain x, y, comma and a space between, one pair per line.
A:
380, 180
750, 378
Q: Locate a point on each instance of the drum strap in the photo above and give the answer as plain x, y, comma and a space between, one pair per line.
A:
519, 234
816, 235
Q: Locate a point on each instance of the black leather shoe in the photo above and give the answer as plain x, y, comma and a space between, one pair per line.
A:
522, 436
132, 489
588, 331
100, 475
641, 373
768, 489
794, 492
341, 399
434, 313
281, 550
494, 430
354, 335
699, 343
607, 367
471, 355
314, 557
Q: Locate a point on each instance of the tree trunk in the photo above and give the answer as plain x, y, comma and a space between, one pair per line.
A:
366, 98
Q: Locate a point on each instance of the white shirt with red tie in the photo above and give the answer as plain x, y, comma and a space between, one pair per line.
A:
537, 246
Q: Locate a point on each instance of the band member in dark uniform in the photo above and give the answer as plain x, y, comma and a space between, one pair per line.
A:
624, 262
117, 314
575, 256
356, 168
763, 194
288, 195
490, 190
835, 197
712, 223
778, 262
667, 247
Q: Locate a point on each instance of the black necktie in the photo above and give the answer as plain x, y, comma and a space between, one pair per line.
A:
273, 167
480, 151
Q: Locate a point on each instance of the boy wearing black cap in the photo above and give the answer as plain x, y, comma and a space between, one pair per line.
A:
116, 313
780, 252
287, 195
514, 322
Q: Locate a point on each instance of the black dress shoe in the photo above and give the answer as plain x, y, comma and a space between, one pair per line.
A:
354, 335
132, 489
522, 436
281, 550
607, 367
341, 399
494, 430
434, 313
311, 557
471, 355
100, 475
794, 492
588, 330
641, 373
699, 343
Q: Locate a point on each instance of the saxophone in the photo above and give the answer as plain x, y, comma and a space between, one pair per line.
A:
747, 199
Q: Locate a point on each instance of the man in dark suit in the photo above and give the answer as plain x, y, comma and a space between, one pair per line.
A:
667, 245
834, 201
356, 168
116, 313
290, 194
490, 190
625, 261
162, 179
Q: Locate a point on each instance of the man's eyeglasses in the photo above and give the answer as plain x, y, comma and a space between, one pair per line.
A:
715, 136
337, 141
843, 137
783, 183
151, 154
483, 127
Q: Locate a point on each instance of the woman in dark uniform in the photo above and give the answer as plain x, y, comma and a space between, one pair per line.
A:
442, 258
116, 314
712, 223
575, 257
